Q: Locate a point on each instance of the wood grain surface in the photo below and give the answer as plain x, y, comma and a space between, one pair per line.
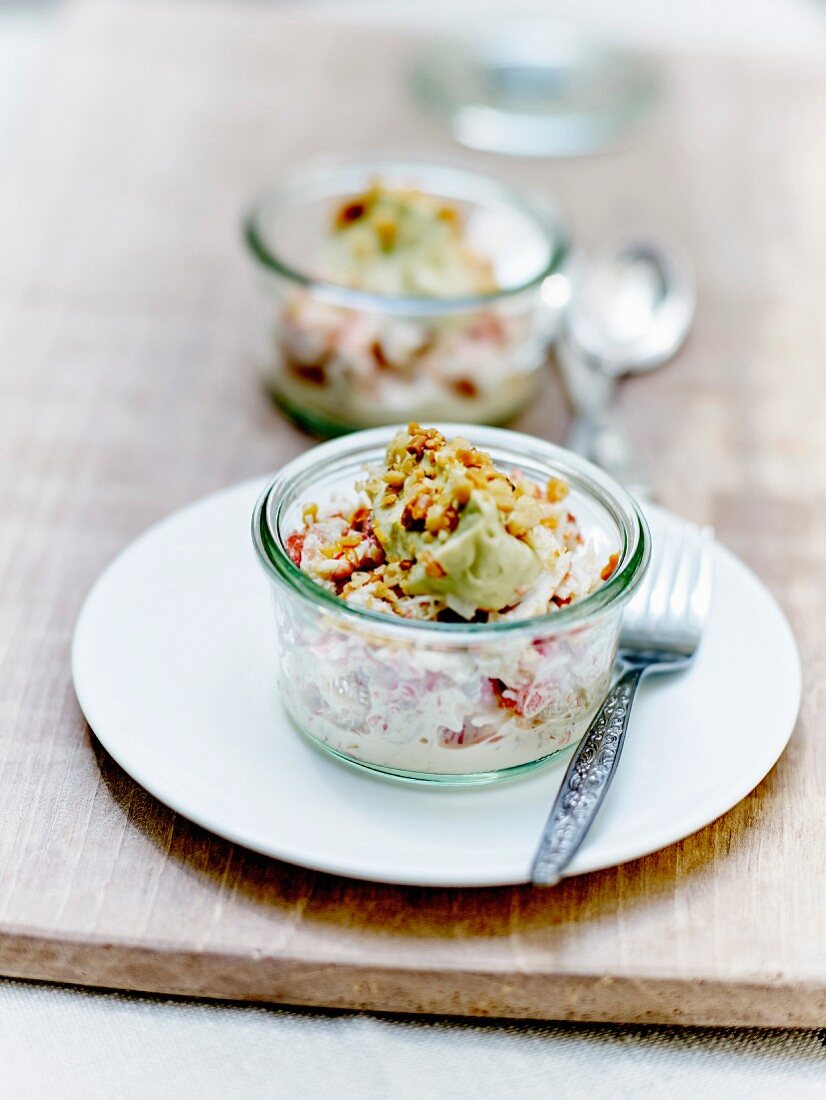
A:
128, 387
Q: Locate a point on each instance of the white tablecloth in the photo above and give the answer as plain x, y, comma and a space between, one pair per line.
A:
64, 1043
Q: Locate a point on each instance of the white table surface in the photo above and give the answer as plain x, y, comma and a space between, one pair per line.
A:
65, 1043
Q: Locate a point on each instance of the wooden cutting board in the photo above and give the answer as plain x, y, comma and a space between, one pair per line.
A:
127, 387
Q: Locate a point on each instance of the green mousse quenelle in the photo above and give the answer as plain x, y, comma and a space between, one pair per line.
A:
437, 532
459, 525
478, 563
396, 240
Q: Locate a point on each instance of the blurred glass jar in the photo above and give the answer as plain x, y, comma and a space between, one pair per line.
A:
534, 87
339, 358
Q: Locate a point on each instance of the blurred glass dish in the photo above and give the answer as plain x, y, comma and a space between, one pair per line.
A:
367, 322
534, 88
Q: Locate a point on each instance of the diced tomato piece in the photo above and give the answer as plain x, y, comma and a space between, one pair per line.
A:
610, 567
295, 546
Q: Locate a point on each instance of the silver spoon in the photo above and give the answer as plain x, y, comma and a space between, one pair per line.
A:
630, 314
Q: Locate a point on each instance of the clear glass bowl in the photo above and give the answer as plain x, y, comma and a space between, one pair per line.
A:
445, 702
532, 87
339, 359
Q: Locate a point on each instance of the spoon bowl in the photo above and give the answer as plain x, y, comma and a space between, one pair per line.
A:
635, 307
630, 313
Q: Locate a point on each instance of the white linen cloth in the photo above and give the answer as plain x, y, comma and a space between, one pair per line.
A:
66, 1044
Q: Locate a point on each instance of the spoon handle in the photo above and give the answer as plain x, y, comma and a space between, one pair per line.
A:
611, 448
596, 431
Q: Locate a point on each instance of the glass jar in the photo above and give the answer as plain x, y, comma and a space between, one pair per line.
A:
533, 87
442, 702
339, 359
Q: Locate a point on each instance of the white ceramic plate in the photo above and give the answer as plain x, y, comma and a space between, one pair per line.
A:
174, 667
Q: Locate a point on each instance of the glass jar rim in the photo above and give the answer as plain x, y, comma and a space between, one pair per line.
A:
633, 561
543, 214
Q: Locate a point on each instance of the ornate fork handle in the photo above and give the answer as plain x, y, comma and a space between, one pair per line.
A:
586, 782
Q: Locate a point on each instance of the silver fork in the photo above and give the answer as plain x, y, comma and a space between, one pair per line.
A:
661, 631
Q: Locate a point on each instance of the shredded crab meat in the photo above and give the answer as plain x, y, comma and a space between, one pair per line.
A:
339, 548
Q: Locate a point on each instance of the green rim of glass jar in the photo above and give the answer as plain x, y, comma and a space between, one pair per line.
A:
543, 214
634, 558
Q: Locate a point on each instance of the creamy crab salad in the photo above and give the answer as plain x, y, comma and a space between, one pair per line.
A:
439, 535
362, 365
